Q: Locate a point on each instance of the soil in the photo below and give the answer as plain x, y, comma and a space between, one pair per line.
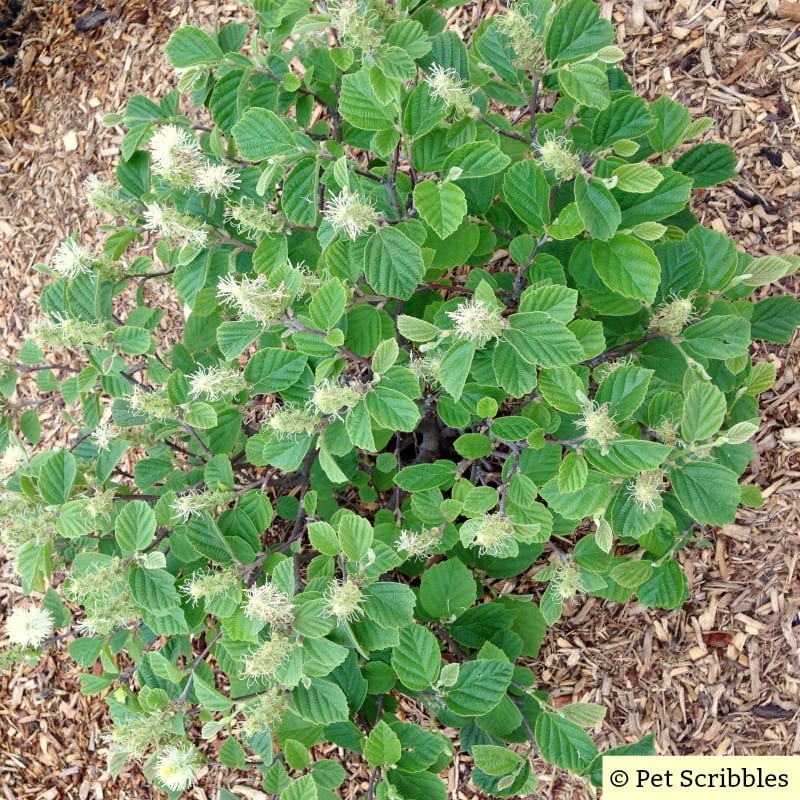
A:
722, 675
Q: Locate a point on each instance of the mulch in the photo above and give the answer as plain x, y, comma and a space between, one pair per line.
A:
722, 675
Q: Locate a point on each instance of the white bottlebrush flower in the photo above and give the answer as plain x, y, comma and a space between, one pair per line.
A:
477, 322
214, 383
330, 399
267, 658
175, 155
104, 435
267, 603
289, 421
177, 766
556, 154
419, 544
646, 488
191, 504
171, 224
446, 85
343, 601
351, 213
253, 221
598, 424
72, 259
216, 180
29, 627
14, 457
252, 297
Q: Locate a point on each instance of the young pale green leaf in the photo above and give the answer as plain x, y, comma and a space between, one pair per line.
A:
632, 574
767, 270
386, 354
153, 589
416, 330
418, 477
328, 304
355, 536
447, 589
304, 788
572, 473
234, 337
481, 685
762, 377
587, 715
392, 409
718, 337
624, 390
134, 527
416, 659
331, 469
568, 224
382, 748
200, 415
561, 387
637, 178
440, 205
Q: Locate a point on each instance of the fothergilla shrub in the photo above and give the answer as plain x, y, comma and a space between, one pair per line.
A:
446, 304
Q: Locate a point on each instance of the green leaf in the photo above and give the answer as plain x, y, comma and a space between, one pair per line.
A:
473, 445
321, 702
154, 589
512, 374
577, 30
481, 685
494, 760
563, 743
441, 205
527, 192
355, 535
455, 367
191, 47
672, 120
668, 198
624, 390
132, 340
704, 409
586, 82
274, 370
134, 527
598, 208
393, 263
359, 105
709, 492
390, 605
422, 112
631, 574
416, 659
476, 160
666, 588
539, 339
561, 387
557, 301
768, 269
200, 415
420, 785
30, 427
304, 788
775, 319
418, 477
261, 134
392, 409
718, 337
328, 304
298, 198
56, 477
707, 164
233, 338
626, 118
447, 590
86, 650
382, 748
627, 266
572, 473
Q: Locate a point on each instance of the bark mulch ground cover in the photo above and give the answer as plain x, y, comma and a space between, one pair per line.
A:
721, 676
